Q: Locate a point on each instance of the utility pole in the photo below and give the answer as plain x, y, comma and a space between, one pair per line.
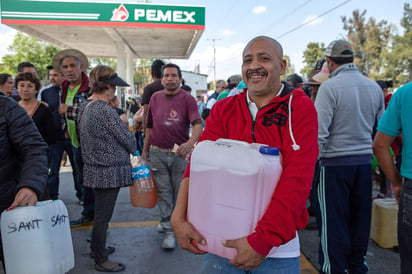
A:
214, 59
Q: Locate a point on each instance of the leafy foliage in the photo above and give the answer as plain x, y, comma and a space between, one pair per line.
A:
400, 58
311, 55
29, 49
290, 69
380, 53
111, 62
370, 40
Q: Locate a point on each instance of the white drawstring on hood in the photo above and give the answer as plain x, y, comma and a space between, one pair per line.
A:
294, 146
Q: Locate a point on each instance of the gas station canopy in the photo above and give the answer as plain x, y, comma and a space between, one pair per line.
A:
106, 29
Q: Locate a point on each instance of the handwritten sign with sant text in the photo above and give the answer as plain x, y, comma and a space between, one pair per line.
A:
35, 224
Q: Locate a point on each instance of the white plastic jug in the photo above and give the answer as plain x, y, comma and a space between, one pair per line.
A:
231, 185
37, 239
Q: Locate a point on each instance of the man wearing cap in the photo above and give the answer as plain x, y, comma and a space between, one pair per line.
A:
349, 106
75, 89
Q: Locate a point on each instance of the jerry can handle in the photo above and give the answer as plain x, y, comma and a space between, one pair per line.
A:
230, 142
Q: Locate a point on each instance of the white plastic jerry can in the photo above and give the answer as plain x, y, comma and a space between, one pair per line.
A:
231, 185
37, 239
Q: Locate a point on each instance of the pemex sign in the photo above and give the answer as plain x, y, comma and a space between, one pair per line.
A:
114, 13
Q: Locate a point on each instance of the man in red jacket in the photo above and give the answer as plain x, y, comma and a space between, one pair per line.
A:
274, 113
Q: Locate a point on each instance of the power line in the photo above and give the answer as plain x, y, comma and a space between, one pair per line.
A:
298, 27
295, 10
313, 19
288, 14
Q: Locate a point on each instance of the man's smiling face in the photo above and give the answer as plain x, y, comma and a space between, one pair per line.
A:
262, 66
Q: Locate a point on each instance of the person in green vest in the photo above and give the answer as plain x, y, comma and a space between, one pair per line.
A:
75, 89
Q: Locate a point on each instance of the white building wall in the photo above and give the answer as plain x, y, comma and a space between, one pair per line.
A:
198, 82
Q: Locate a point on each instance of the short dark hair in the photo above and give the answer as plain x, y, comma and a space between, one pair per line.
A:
231, 86
341, 60
171, 65
27, 76
385, 84
157, 68
23, 65
186, 87
294, 79
4, 77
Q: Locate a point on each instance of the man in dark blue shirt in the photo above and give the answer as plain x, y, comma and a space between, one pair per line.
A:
51, 96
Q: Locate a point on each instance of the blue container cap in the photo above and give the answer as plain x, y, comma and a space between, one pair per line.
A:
136, 153
269, 150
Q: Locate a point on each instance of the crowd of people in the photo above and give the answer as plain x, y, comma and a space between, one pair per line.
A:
326, 153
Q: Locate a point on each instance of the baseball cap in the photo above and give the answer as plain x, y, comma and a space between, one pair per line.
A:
339, 48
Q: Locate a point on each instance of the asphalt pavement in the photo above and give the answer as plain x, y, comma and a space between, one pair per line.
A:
138, 244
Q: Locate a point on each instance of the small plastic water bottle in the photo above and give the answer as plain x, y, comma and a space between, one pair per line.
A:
131, 124
142, 179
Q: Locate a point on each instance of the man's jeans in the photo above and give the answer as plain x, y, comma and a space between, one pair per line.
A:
216, 264
167, 171
88, 193
55, 156
405, 226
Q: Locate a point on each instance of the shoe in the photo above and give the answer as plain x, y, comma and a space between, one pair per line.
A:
109, 250
82, 221
169, 241
116, 268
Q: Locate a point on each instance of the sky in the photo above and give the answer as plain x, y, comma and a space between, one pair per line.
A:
230, 24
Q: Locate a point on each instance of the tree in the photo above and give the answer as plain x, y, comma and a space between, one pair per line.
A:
357, 36
111, 62
142, 74
313, 53
29, 49
400, 59
290, 68
370, 40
